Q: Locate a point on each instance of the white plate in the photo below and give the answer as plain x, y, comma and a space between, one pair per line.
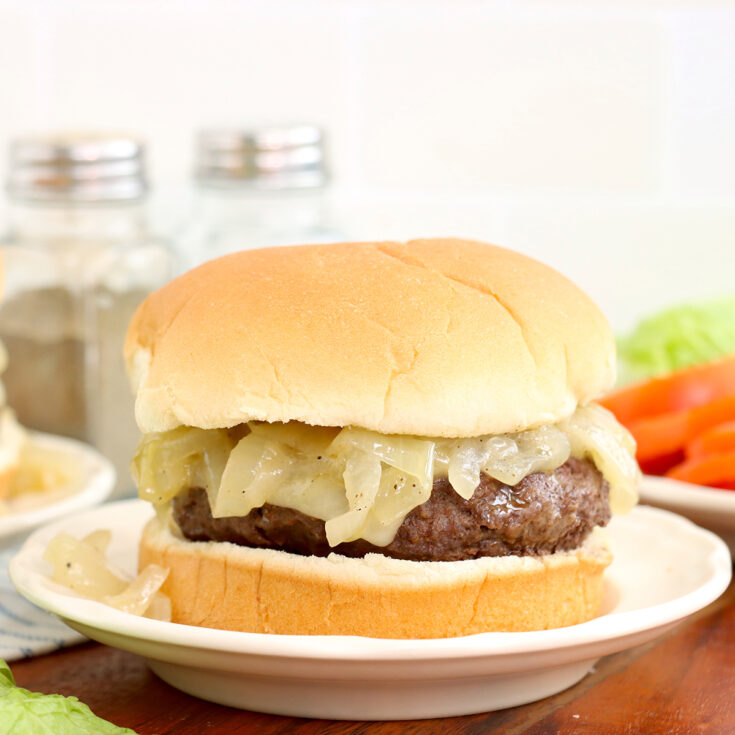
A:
665, 569
92, 485
706, 506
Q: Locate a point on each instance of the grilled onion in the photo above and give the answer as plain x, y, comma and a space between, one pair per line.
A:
361, 483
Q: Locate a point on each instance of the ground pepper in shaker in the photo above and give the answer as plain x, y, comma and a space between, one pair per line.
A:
79, 258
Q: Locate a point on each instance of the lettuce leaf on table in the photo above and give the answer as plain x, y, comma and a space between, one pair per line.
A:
30, 713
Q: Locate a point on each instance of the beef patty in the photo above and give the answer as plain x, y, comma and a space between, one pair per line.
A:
542, 514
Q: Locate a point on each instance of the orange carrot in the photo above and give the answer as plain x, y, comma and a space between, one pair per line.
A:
685, 389
704, 418
670, 432
717, 470
719, 439
660, 435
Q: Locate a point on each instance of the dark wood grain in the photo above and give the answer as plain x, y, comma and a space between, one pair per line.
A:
682, 683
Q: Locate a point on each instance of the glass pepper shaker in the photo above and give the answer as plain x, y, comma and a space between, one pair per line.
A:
259, 187
79, 258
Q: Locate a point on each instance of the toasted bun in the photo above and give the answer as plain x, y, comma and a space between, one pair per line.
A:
430, 337
221, 585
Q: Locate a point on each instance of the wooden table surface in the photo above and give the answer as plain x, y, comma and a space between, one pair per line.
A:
681, 683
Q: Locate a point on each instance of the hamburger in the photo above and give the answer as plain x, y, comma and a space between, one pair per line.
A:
387, 439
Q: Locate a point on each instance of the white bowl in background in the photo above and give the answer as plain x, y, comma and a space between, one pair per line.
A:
92, 482
709, 507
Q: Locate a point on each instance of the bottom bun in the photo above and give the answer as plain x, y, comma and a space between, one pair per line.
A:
221, 585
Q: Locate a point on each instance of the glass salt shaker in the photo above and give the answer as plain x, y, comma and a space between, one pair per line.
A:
259, 187
79, 258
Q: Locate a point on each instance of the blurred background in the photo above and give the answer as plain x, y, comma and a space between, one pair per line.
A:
597, 136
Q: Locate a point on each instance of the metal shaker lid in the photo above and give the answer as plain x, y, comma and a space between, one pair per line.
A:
268, 157
77, 167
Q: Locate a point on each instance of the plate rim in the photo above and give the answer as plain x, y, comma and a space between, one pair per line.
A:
687, 496
492, 644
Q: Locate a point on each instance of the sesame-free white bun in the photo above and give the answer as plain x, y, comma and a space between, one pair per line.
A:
221, 585
437, 337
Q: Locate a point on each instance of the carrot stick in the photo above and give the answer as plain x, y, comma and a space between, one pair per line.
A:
717, 470
670, 432
679, 391
719, 439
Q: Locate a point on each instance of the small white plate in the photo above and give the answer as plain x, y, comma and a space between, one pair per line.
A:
93, 481
665, 569
708, 507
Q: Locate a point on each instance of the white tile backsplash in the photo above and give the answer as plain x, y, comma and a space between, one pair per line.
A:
703, 117
20, 95
508, 102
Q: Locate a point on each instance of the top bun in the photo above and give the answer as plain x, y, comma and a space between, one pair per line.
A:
438, 337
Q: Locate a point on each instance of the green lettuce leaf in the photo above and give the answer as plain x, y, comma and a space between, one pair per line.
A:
678, 338
6, 677
28, 713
